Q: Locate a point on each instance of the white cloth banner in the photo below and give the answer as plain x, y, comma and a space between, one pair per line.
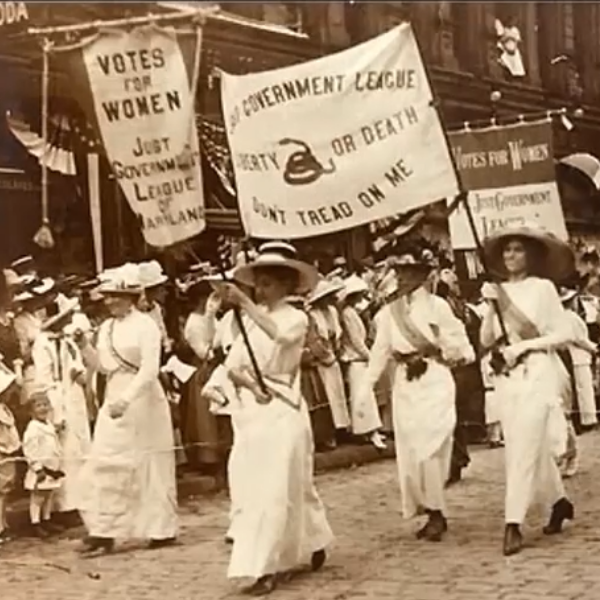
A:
502, 207
336, 142
145, 115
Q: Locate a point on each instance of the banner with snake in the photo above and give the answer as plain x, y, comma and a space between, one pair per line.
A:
337, 142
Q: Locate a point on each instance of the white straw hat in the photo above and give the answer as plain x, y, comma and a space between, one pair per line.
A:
279, 254
559, 260
123, 280
352, 285
151, 274
67, 307
325, 288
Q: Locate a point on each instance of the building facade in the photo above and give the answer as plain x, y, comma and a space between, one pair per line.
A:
461, 45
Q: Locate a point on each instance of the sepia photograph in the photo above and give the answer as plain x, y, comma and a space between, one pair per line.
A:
299, 300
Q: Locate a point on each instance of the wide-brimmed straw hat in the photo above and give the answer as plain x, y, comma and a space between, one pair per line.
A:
279, 254
151, 274
558, 262
66, 308
409, 267
352, 285
324, 289
195, 279
121, 281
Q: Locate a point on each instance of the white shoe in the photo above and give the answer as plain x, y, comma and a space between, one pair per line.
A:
378, 441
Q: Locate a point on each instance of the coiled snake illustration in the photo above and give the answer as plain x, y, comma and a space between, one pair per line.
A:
302, 166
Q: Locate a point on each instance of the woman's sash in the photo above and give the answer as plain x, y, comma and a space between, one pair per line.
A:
119, 358
517, 321
409, 330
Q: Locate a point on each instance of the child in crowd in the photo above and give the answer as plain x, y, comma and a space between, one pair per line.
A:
10, 444
42, 450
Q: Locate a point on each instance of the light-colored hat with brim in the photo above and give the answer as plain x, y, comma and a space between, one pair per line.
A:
271, 257
24, 297
352, 285
121, 281
408, 267
22, 262
45, 287
325, 289
151, 274
566, 295
67, 308
559, 260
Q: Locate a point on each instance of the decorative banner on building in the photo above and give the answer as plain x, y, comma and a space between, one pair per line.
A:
137, 92
336, 142
510, 176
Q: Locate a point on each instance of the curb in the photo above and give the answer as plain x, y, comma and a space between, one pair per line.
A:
190, 486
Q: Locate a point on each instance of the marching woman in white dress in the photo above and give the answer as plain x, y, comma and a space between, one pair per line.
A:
531, 380
366, 420
582, 352
322, 309
59, 367
281, 522
128, 487
419, 330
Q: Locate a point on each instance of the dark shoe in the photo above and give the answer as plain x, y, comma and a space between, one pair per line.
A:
318, 560
52, 528
164, 543
435, 527
563, 510
263, 586
455, 477
513, 540
94, 545
229, 540
38, 531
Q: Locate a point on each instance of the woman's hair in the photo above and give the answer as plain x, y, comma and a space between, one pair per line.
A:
535, 253
288, 276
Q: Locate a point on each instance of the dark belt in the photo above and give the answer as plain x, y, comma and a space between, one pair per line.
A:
416, 363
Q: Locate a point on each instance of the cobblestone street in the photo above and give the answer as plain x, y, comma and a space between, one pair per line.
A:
375, 556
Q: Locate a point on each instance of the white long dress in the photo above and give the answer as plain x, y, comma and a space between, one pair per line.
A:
281, 521
363, 407
57, 361
423, 409
128, 483
226, 332
582, 370
328, 325
27, 327
531, 397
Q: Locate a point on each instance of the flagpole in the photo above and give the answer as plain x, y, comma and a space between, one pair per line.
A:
462, 196
243, 331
